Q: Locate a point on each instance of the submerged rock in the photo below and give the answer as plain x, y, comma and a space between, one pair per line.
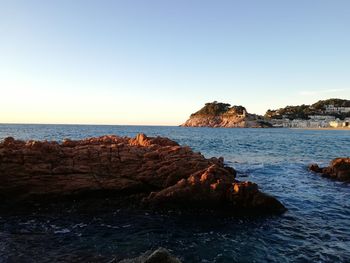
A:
160, 255
151, 172
339, 169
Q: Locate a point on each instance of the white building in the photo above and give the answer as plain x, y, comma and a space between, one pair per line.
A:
332, 109
321, 118
336, 123
340, 124
315, 122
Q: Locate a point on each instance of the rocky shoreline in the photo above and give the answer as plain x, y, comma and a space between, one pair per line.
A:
338, 169
147, 172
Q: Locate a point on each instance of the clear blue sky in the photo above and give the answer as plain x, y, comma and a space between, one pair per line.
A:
156, 62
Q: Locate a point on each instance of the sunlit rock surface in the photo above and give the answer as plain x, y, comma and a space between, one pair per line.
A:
144, 171
338, 169
217, 114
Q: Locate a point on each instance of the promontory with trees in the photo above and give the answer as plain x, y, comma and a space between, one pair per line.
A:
218, 114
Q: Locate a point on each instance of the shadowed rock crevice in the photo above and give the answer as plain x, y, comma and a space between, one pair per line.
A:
143, 171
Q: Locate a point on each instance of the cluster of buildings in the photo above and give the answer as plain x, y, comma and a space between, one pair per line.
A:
340, 124
315, 121
333, 109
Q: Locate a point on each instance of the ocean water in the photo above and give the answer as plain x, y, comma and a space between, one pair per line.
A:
316, 227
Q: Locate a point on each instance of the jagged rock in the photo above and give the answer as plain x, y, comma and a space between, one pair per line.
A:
160, 255
218, 114
146, 171
339, 169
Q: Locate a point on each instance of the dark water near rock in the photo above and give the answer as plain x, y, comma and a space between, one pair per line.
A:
316, 227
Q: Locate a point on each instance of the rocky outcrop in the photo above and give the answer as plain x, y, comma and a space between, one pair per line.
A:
339, 169
148, 172
223, 115
160, 255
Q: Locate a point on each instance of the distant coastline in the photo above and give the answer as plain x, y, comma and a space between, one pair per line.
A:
325, 129
328, 114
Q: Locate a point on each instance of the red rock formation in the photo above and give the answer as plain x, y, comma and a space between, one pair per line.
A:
339, 169
154, 172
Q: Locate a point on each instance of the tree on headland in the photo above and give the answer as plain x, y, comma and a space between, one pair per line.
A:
213, 108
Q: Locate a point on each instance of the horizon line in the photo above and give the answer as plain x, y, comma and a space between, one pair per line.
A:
83, 124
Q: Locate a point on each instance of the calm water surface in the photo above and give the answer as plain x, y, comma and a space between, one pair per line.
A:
316, 227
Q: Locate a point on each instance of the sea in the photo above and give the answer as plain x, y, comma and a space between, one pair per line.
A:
316, 227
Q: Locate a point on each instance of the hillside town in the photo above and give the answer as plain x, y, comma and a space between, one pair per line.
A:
330, 113
327, 119
313, 122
